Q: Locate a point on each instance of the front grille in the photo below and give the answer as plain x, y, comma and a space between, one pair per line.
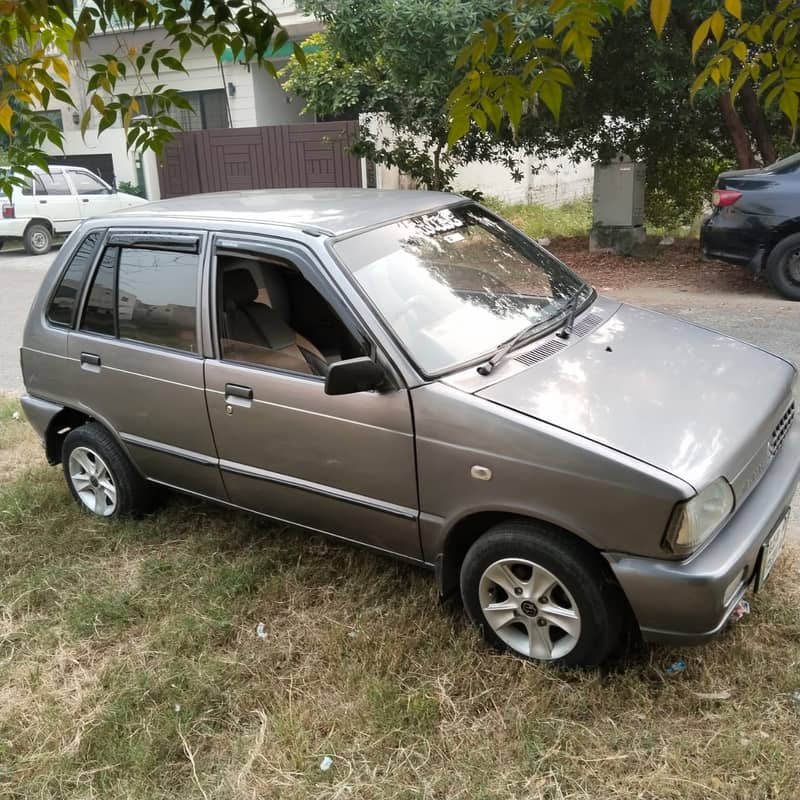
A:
781, 429
540, 353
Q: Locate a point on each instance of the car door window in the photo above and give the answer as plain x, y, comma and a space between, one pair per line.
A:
98, 314
146, 295
88, 184
271, 316
62, 306
34, 185
158, 297
55, 183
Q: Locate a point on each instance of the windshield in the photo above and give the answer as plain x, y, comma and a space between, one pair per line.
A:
456, 284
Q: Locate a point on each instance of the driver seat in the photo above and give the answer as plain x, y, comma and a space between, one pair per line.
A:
259, 334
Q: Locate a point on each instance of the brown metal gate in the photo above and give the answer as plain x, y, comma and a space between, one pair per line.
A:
271, 157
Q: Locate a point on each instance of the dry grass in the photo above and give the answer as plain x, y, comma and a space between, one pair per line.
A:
130, 668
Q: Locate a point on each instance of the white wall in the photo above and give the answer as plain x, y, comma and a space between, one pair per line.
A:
551, 182
274, 106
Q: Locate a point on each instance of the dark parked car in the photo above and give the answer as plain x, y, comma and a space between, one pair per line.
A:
756, 222
407, 371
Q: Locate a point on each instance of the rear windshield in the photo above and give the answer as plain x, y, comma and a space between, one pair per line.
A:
788, 164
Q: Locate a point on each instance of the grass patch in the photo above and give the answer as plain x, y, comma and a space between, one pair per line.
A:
538, 221
130, 668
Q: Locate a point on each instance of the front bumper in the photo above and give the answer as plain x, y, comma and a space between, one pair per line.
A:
684, 601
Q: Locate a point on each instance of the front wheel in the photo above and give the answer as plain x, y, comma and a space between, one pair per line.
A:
533, 590
783, 267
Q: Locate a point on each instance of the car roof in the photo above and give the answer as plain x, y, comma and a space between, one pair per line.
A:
328, 211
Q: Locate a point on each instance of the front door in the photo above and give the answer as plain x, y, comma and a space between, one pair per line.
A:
343, 465
95, 197
137, 357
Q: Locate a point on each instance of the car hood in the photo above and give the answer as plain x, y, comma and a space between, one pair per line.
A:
687, 400
129, 200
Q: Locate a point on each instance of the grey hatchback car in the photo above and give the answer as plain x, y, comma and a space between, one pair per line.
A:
407, 371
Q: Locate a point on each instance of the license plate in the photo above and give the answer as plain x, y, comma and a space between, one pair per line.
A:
772, 549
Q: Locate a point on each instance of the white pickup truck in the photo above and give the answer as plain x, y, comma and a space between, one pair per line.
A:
50, 205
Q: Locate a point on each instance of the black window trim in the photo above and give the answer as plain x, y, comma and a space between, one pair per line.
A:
146, 235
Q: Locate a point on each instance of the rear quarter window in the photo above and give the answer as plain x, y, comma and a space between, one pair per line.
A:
65, 298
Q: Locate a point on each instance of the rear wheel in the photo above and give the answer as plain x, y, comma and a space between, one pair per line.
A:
38, 239
532, 590
783, 267
100, 475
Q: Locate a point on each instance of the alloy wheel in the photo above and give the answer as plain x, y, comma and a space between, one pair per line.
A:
92, 481
529, 609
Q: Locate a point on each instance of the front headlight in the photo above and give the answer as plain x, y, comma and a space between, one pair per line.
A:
695, 520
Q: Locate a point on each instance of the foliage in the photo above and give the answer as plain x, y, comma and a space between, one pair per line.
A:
131, 188
509, 70
38, 40
395, 57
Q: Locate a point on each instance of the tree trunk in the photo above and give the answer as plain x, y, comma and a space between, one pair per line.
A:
737, 132
757, 123
437, 172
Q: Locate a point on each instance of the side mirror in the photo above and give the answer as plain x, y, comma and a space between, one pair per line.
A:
354, 375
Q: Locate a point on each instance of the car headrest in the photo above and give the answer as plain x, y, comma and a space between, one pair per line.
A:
238, 287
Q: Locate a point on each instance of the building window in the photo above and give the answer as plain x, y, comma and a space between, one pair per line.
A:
209, 110
53, 116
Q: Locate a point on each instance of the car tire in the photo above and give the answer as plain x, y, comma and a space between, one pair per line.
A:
38, 239
783, 267
543, 595
100, 475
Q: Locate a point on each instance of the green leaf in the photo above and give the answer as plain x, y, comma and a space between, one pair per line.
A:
492, 111
551, 94
734, 8
513, 105
700, 36
659, 11
458, 128
717, 25
789, 105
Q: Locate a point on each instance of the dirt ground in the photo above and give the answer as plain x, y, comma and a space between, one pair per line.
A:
679, 266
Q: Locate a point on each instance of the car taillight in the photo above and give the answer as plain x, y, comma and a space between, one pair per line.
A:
8, 211
724, 197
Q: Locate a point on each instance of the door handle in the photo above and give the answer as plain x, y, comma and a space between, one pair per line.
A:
84, 199
43, 202
234, 390
90, 362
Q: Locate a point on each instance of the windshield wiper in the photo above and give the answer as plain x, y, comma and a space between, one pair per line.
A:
572, 311
499, 354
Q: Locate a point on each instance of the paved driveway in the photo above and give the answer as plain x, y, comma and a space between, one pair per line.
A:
20, 276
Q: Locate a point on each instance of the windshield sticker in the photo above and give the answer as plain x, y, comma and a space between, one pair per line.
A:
442, 221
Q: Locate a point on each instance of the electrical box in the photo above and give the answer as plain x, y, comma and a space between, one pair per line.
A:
618, 199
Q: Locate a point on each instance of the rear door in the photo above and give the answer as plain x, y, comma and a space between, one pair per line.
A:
137, 361
54, 200
94, 195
